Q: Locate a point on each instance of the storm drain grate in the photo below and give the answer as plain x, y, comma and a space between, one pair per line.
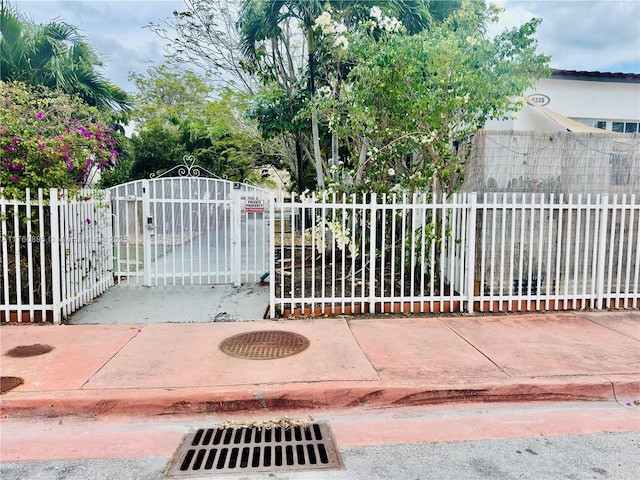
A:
231, 450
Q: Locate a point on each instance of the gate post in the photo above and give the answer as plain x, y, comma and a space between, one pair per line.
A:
373, 204
602, 251
56, 288
147, 223
470, 260
272, 255
236, 244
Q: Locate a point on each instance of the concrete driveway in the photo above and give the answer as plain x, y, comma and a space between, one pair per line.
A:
133, 304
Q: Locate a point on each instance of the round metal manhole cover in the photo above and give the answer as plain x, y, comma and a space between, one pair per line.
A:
29, 350
9, 383
264, 345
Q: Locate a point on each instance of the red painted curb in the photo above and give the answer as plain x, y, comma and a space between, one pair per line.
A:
310, 396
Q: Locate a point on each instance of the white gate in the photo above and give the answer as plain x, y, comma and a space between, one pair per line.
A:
190, 230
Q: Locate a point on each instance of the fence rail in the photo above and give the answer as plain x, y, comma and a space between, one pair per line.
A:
55, 253
499, 252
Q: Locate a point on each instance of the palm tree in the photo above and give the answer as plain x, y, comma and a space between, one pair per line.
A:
264, 20
56, 56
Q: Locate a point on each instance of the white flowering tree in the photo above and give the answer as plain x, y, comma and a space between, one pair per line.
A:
410, 101
266, 28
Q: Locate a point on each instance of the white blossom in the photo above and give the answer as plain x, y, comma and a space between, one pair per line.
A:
391, 172
341, 42
324, 23
339, 28
375, 13
339, 233
390, 24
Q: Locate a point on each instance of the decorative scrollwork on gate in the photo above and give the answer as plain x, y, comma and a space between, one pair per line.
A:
189, 168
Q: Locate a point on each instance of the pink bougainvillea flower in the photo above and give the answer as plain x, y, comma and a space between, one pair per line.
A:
88, 221
83, 131
14, 178
39, 115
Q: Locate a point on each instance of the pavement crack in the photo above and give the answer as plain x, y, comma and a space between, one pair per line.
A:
362, 350
613, 390
595, 322
475, 348
109, 359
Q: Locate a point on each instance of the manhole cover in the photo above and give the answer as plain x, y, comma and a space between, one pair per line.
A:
8, 383
214, 451
29, 350
264, 344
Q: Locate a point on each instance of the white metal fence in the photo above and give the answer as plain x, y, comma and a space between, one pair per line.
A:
501, 252
55, 253
348, 255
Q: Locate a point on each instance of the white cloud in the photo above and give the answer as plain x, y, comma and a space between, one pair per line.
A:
114, 28
583, 35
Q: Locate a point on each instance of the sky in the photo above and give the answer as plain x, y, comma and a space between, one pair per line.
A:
587, 35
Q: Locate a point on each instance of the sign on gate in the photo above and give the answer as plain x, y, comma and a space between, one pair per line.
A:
254, 205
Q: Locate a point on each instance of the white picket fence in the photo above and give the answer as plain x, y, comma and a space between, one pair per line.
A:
56, 253
500, 252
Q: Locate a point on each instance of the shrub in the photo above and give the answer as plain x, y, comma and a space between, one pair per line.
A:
49, 139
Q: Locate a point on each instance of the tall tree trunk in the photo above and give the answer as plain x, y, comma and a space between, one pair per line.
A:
361, 161
315, 130
335, 154
299, 166
316, 149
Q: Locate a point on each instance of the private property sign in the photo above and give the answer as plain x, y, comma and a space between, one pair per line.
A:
254, 205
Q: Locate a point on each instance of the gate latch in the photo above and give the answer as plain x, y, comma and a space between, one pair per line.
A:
150, 224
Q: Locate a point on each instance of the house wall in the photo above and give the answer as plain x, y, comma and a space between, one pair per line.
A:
598, 98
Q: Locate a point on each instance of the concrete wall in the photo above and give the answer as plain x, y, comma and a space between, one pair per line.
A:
559, 162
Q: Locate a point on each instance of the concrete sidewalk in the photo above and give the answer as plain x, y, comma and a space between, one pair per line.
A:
169, 368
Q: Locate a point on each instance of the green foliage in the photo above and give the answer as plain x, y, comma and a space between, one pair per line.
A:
169, 92
276, 113
49, 139
272, 54
121, 173
155, 150
413, 99
177, 115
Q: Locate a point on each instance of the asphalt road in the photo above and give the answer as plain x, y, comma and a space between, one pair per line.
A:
594, 456
564, 440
